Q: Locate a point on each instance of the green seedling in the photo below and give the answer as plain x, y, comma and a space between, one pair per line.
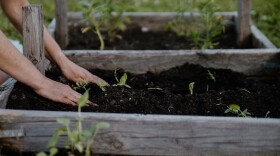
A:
211, 76
101, 86
78, 139
104, 15
235, 109
181, 25
266, 115
81, 85
203, 30
191, 87
122, 81
211, 26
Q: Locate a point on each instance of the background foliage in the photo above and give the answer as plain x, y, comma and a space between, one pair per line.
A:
266, 13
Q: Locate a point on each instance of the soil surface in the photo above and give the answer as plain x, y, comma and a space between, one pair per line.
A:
167, 93
133, 38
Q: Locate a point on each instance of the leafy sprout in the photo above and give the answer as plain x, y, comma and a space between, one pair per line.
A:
122, 80
78, 139
104, 15
191, 87
203, 30
101, 86
211, 25
211, 76
266, 115
180, 25
81, 85
235, 109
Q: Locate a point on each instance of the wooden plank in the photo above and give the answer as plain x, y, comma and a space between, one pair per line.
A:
255, 62
5, 90
244, 22
136, 134
33, 46
260, 40
61, 27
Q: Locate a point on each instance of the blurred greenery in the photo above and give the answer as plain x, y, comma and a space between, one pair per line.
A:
266, 13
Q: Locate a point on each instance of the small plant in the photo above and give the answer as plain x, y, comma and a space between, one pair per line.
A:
211, 76
202, 31
101, 86
81, 85
181, 26
122, 81
191, 87
78, 139
266, 115
211, 26
235, 109
104, 15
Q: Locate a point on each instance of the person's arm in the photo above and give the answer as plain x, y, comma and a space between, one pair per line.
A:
20, 68
13, 9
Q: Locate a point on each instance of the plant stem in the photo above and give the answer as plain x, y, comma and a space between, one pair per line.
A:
80, 122
100, 38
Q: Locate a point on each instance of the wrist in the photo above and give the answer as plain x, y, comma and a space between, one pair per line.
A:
40, 83
61, 60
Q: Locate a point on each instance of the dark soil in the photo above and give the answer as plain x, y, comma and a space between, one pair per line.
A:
135, 39
168, 93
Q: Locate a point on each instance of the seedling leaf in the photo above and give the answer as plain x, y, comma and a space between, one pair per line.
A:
63, 121
234, 107
54, 138
79, 147
86, 29
83, 100
191, 87
102, 125
41, 154
123, 80
53, 151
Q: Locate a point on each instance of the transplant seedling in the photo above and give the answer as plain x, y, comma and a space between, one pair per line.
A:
101, 86
211, 76
100, 15
122, 81
235, 109
78, 139
81, 85
211, 27
191, 87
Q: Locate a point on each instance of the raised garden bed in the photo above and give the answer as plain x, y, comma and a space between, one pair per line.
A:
167, 93
146, 32
139, 134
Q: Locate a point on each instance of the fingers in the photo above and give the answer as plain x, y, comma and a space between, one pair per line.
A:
98, 81
89, 103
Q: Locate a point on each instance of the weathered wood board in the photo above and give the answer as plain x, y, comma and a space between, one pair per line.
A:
136, 134
156, 20
252, 62
61, 32
33, 46
153, 134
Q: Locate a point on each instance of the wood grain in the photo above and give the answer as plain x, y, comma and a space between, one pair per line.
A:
153, 134
61, 27
252, 62
33, 45
244, 22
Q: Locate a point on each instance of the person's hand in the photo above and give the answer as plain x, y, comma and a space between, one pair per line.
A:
58, 92
76, 73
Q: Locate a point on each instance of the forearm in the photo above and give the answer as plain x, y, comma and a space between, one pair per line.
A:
13, 9
16, 65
